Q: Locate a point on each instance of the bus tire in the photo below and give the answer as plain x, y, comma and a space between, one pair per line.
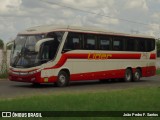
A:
128, 75
137, 75
63, 79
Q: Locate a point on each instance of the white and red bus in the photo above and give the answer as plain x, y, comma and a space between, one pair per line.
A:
60, 54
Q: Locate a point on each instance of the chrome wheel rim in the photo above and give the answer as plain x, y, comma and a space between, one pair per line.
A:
137, 76
128, 76
62, 79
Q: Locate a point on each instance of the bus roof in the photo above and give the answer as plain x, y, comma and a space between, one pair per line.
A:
51, 28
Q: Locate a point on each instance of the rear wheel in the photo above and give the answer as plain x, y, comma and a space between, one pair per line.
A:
63, 79
128, 75
137, 75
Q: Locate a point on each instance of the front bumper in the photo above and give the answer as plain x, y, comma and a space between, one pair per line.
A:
34, 78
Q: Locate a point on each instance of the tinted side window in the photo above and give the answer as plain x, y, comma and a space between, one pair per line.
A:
56, 35
140, 45
130, 43
150, 45
49, 50
90, 42
73, 41
104, 43
118, 44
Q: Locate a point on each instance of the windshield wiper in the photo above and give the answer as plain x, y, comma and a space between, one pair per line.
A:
19, 56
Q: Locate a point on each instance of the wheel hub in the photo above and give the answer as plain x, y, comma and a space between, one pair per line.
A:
128, 76
137, 76
62, 79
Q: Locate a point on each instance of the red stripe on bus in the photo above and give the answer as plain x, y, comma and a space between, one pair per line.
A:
125, 56
64, 57
153, 56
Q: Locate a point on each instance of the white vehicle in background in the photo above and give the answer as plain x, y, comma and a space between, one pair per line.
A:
60, 54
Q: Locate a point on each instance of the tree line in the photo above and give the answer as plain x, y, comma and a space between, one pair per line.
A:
1, 43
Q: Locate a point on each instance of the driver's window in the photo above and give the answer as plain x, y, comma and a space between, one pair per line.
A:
45, 53
49, 50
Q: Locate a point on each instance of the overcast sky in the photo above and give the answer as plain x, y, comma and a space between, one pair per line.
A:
17, 15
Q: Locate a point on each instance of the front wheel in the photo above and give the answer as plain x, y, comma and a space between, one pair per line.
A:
63, 79
128, 75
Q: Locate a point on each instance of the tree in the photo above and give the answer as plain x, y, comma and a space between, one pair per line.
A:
9, 47
1, 44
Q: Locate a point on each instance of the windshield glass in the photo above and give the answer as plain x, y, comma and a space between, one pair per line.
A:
23, 54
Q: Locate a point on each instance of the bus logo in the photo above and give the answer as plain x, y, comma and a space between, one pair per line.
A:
99, 56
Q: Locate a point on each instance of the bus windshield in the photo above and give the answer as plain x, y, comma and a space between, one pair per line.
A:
23, 53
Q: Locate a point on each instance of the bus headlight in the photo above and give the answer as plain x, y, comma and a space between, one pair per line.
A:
38, 70
33, 72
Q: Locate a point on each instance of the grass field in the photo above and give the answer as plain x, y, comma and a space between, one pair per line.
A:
3, 76
137, 99
158, 72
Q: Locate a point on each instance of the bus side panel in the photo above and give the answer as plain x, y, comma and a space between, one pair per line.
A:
148, 71
98, 75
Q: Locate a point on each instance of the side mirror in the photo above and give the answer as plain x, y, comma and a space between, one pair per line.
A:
8, 44
40, 42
